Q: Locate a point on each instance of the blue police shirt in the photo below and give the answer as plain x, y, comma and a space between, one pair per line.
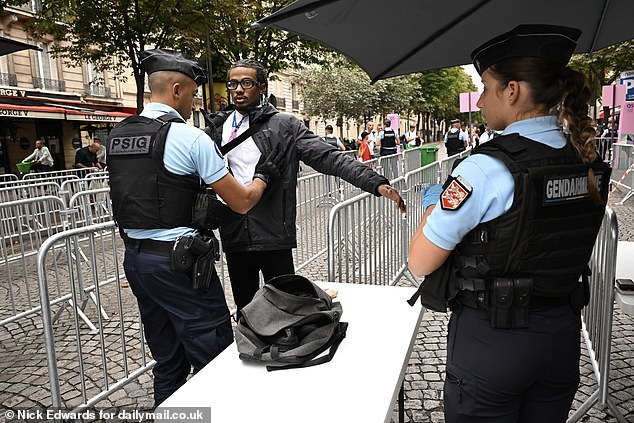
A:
492, 185
188, 151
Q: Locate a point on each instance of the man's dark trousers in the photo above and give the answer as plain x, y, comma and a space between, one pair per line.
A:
244, 271
184, 327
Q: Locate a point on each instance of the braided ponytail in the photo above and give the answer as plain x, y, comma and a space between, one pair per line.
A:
573, 113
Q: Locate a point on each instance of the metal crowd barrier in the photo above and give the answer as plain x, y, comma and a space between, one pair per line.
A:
597, 316
25, 225
80, 173
367, 241
604, 148
622, 177
4, 177
16, 192
99, 360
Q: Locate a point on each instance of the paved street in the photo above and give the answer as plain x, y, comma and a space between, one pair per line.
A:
24, 374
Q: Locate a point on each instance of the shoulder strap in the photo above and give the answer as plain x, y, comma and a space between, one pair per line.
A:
240, 138
332, 344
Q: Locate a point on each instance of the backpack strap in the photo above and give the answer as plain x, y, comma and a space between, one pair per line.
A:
333, 344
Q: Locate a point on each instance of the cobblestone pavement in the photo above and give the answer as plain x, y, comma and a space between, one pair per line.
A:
24, 373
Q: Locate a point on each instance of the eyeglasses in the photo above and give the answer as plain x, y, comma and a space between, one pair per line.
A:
246, 83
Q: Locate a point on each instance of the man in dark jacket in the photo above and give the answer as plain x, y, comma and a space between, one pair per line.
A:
263, 238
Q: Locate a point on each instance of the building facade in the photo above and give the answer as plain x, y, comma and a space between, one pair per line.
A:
43, 98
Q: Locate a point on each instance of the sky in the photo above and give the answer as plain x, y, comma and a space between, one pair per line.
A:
474, 75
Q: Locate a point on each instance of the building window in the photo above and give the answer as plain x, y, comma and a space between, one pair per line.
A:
294, 100
96, 83
46, 72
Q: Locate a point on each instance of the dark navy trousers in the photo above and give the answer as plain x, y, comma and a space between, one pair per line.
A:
184, 327
512, 375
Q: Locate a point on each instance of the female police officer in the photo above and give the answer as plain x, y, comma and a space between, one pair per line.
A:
512, 233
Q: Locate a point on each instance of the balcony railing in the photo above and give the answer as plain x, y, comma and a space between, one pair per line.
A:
97, 90
281, 103
31, 6
49, 84
295, 104
8, 79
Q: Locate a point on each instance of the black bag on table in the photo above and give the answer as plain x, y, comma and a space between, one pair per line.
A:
290, 322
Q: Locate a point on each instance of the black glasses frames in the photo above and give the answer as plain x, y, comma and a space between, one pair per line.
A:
246, 83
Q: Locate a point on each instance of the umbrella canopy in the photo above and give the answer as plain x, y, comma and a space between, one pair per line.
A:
11, 46
405, 36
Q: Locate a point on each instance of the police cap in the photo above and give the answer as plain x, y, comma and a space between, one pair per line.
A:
329, 127
170, 60
455, 121
549, 42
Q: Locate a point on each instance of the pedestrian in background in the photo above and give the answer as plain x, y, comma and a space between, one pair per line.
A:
456, 141
41, 158
504, 248
363, 154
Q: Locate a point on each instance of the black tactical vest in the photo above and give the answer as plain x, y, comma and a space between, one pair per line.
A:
454, 144
331, 140
389, 139
550, 230
145, 195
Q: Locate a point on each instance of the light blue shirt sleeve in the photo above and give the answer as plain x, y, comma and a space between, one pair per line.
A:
492, 195
197, 155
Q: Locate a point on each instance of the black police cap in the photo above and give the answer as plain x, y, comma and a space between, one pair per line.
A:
454, 121
329, 127
549, 42
170, 60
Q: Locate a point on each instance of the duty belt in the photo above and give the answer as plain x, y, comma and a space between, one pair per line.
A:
160, 248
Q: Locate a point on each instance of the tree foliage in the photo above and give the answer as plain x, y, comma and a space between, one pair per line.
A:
604, 67
110, 34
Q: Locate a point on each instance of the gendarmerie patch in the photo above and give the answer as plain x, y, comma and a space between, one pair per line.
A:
456, 193
130, 145
560, 189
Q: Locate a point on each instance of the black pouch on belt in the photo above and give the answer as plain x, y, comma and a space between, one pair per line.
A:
522, 293
501, 302
196, 254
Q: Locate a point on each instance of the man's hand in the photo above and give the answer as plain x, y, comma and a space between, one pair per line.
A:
389, 192
272, 166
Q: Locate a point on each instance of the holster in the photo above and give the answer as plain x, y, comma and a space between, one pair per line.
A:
196, 254
508, 305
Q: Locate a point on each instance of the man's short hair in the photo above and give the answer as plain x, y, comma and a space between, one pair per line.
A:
329, 127
260, 71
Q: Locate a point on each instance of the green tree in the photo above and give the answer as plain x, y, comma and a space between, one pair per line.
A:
337, 93
604, 67
110, 34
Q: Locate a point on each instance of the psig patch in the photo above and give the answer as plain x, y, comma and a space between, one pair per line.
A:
559, 189
130, 145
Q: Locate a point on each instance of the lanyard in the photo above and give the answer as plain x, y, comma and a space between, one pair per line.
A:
234, 131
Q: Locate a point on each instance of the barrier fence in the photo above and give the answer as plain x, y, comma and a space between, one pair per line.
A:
622, 177
72, 243
597, 316
97, 360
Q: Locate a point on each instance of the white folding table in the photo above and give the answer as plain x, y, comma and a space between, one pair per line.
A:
625, 270
360, 384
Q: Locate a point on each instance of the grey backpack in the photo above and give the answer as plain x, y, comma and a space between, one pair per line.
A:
290, 322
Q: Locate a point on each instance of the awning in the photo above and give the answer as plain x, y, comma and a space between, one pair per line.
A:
96, 116
51, 111
32, 112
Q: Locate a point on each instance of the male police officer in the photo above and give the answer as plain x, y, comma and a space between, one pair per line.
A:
455, 140
156, 163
